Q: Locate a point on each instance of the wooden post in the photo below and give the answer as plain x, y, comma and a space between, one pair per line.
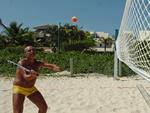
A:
71, 66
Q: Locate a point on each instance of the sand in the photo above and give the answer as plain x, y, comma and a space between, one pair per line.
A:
92, 94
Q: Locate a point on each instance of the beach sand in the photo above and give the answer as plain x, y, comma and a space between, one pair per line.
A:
92, 94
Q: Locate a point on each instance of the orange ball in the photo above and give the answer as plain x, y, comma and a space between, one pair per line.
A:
74, 19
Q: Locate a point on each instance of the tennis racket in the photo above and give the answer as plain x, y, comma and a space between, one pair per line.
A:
18, 65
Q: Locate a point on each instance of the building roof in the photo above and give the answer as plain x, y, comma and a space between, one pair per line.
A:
43, 26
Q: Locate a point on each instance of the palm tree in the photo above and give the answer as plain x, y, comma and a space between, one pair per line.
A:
74, 38
3, 41
53, 39
105, 41
18, 35
71, 36
1, 23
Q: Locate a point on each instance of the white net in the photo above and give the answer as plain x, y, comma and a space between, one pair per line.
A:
133, 42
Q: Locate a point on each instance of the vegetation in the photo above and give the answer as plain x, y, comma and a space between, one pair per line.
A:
105, 41
82, 62
15, 35
72, 43
70, 37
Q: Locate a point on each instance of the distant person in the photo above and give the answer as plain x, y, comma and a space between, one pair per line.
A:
24, 82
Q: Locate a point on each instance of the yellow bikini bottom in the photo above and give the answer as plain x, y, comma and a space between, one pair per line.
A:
24, 91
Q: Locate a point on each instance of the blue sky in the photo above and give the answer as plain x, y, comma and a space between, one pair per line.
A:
93, 15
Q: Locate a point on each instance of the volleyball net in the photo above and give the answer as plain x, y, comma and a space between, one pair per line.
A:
133, 41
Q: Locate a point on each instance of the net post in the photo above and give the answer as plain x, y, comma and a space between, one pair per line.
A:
115, 66
115, 57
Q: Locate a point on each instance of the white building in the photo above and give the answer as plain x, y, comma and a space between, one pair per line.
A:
100, 46
100, 34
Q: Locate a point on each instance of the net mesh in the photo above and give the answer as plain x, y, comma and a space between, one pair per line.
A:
133, 42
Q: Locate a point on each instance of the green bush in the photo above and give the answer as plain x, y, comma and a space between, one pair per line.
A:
79, 45
16, 50
82, 62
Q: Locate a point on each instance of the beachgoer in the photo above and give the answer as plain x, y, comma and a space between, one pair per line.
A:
23, 85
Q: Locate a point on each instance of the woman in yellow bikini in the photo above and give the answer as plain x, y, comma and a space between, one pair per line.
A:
23, 85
